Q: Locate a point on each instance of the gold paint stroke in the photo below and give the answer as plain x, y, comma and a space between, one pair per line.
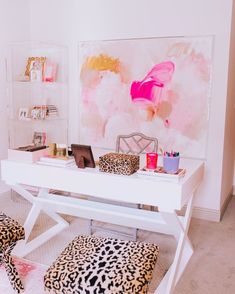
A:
102, 62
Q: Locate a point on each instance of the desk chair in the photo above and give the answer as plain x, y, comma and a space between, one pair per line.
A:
10, 233
134, 143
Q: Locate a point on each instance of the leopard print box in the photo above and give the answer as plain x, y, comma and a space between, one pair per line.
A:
118, 163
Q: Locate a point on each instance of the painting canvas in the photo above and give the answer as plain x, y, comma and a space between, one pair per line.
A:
157, 86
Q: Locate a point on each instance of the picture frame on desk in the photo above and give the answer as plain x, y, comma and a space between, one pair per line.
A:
83, 155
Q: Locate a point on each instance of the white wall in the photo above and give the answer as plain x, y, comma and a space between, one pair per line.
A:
14, 26
70, 21
229, 138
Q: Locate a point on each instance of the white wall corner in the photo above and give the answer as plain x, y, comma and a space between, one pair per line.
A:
213, 214
226, 202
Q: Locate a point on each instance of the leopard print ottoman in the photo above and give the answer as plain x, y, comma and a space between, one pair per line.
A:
95, 265
10, 233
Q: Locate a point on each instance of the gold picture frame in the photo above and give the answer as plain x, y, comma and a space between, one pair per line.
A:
40, 59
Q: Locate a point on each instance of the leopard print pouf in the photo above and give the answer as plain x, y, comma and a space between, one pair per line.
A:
10, 233
95, 265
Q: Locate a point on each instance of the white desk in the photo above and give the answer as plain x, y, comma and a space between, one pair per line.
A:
167, 196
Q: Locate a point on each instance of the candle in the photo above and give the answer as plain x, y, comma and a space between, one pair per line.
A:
151, 160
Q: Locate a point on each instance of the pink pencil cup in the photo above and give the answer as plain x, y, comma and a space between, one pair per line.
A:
151, 160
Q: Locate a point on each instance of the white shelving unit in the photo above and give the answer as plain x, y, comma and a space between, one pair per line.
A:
25, 94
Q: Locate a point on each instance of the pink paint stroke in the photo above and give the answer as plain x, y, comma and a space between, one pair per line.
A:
150, 88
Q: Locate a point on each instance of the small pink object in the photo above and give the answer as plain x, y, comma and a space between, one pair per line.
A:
151, 160
49, 73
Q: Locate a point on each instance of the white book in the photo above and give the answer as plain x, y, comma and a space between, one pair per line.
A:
59, 160
56, 164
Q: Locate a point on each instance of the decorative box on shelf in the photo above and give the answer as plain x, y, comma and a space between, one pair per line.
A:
27, 153
118, 163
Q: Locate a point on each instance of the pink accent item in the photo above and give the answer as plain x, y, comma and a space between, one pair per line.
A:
49, 73
24, 267
150, 88
151, 160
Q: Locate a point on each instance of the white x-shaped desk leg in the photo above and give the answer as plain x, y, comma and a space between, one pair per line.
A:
24, 246
184, 248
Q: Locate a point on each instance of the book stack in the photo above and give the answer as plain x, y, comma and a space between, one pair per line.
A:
51, 110
59, 161
44, 111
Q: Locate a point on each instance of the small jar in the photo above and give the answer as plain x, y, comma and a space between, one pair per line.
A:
61, 152
171, 164
151, 160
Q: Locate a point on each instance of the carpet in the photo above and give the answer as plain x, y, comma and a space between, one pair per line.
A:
31, 275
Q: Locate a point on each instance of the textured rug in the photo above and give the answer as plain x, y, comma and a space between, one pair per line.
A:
31, 275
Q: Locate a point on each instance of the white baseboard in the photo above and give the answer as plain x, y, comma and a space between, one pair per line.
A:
213, 214
206, 214
225, 204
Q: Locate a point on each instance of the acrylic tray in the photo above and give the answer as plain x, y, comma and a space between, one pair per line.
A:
161, 174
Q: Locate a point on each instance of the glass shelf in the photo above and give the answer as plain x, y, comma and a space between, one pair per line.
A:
25, 95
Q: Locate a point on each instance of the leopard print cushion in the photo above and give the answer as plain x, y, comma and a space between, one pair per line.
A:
10, 232
95, 265
118, 163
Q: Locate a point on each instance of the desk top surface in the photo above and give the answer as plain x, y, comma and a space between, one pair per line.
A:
133, 188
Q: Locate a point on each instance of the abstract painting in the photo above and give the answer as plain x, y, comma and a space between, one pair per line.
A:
157, 86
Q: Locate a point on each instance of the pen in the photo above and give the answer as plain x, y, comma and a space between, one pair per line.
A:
171, 154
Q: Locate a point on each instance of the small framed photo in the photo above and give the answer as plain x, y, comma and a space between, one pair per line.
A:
49, 73
39, 138
23, 114
83, 155
35, 68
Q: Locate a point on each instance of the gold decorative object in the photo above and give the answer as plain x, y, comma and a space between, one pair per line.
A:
32, 59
